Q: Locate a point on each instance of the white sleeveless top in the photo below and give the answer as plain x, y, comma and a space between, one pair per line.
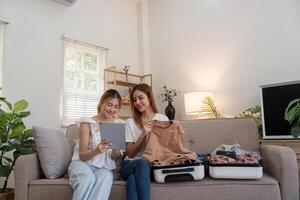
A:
103, 160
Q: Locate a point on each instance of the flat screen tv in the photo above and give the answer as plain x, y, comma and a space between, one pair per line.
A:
274, 100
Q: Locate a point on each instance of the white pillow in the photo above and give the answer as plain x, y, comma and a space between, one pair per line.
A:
54, 151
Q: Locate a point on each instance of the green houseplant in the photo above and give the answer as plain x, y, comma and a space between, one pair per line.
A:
292, 115
15, 138
210, 109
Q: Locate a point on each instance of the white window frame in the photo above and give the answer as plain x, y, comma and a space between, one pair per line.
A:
77, 103
2, 29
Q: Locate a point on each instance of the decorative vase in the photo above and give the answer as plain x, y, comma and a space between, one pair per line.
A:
170, 111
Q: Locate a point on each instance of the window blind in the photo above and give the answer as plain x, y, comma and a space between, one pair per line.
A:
83, 80
1, 53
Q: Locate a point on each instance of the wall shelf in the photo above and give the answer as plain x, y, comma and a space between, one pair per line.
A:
124, 82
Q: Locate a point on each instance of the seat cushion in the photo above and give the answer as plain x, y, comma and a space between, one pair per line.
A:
58, 189
208, 189
266, 188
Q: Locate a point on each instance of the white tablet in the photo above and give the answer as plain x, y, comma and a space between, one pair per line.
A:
115, 133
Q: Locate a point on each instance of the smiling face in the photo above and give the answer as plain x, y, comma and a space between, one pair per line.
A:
110, 108
140, 101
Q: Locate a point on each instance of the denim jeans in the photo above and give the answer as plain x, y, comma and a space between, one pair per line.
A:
137, 176
89, 182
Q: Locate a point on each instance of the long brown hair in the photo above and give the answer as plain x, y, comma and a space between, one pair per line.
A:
148, 91
111, 93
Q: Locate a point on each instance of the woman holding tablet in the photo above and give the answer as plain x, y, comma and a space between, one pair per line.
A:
90, 170
136, 170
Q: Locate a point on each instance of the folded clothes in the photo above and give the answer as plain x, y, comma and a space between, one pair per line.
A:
233, 154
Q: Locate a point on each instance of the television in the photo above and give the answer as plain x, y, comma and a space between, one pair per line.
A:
274, 100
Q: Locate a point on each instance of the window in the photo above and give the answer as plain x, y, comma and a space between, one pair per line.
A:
2, 24
83, 80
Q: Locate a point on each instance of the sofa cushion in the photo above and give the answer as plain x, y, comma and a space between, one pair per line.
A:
266, 188
208, 189
203, 136
54, 151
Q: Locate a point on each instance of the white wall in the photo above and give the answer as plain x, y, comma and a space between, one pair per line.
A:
34, 46
229, 47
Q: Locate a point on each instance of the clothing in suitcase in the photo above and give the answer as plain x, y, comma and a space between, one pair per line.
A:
232, 162
171, 161
165, 145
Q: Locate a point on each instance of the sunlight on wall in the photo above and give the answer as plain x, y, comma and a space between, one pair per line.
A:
207, 75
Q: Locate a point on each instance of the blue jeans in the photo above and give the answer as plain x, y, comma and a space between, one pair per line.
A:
89, 182
137, 175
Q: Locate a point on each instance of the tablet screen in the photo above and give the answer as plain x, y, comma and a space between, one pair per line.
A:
115, 133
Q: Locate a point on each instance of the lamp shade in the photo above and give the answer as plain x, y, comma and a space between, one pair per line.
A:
193, 101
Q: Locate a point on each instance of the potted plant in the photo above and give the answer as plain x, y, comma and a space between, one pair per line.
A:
255, 113
15, 139
168, 95
292, 115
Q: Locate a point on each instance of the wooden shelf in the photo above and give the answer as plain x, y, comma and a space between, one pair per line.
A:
125, 103
114, 78
124, 117
122, 83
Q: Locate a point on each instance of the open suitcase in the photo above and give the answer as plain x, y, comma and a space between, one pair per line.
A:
175, 173
235, 171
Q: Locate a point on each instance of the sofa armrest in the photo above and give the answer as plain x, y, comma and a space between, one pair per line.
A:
27, 168
281, 163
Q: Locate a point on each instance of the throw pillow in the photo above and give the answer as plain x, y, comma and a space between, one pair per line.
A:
54, 151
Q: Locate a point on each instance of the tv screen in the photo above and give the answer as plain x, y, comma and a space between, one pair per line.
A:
274, 100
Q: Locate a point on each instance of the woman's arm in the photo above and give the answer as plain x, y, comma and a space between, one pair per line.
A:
84, 135
132, 148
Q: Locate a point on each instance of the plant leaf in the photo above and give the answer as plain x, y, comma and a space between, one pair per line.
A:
6, 147
24, 114
210, 109
7, 158
17, 131
295, 130
28, 133
4, 170
292, 112
6, 102
20, 105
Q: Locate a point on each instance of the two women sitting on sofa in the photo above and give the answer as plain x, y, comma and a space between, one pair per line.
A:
90, 170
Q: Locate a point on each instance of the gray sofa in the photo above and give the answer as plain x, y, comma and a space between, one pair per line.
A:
280, 179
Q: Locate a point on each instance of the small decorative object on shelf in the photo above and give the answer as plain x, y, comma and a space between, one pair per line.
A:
292, 115
168, 95
255, 113
126, 69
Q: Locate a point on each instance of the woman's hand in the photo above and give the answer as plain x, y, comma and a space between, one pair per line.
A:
103, 146
147, 128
